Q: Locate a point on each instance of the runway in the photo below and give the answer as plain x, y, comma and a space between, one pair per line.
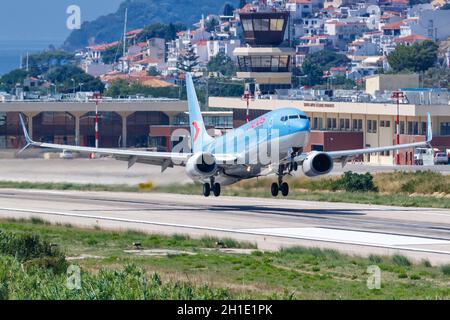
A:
271, 223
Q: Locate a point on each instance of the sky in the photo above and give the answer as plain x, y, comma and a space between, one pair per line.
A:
23, 20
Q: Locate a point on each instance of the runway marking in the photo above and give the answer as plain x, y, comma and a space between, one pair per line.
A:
364, 238
256, 232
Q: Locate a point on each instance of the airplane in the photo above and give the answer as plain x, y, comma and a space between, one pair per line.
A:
225, 160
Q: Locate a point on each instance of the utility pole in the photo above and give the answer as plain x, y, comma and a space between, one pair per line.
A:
247, 96
97, 97
398, 95
124, 40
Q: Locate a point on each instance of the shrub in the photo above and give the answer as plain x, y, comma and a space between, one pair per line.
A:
32, 250
354, 182
401, 260
446, 269
375, 259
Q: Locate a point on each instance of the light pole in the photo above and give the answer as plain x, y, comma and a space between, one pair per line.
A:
398, 95
97, 97
81, 84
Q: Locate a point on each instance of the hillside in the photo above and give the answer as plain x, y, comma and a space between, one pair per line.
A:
140, 13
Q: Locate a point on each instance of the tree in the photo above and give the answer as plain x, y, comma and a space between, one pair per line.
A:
223, 64
153, 72
228, 9
211, 25
327, 59
313, 73
112, 54
415, 58
70, 77
40, 63
188, 60
445, 6
242, 3
159, 30
11, 79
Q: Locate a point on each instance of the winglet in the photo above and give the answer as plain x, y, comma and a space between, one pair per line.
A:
429, 129
26, 135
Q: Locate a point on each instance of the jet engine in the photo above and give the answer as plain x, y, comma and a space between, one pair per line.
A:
201, 166
317, 163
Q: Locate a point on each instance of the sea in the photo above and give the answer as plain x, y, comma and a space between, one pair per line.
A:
11, 50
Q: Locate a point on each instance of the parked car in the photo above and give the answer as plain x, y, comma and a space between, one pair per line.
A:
440, 158
66, 154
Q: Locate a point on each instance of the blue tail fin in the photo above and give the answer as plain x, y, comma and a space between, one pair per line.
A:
199, 137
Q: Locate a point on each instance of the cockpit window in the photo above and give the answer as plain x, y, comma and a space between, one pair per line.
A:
284, 119
304, 117
294, 117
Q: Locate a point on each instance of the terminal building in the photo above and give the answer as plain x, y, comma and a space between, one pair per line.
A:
122, 123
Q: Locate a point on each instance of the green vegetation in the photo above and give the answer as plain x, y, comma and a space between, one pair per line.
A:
312, 69
415, 58
199, 269
70, 77
112, 54
228, 9
141, 13
354, 182
223, 64
160, 30
43, 62
408, 189
10, 80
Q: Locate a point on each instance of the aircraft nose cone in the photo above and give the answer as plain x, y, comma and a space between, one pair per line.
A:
302, 125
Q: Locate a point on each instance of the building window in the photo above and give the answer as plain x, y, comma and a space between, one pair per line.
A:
381, 123
402, 127
372, 126
261, 24
445, 128
247, 25
276, 24
423, 128
357, 124
344, 124
331, 123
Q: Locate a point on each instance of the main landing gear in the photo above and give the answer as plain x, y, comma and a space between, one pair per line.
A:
213, 187
281, 186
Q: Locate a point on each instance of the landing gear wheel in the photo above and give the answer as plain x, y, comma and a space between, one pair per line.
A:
275, 189
284, 189
206, 189
217, 189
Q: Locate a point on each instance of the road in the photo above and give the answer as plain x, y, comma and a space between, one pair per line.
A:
108, 171
271, 223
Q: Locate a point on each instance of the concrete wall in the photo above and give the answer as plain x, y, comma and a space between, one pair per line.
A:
384, 82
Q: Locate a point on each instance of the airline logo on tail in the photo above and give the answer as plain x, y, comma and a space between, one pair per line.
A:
197, 130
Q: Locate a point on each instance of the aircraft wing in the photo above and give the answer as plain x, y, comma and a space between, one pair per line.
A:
164, 159
345, 155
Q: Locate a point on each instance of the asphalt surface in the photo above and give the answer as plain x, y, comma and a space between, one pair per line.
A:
109, 171
271, 223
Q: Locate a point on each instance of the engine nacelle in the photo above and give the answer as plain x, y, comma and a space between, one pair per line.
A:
201, 166
317, 163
